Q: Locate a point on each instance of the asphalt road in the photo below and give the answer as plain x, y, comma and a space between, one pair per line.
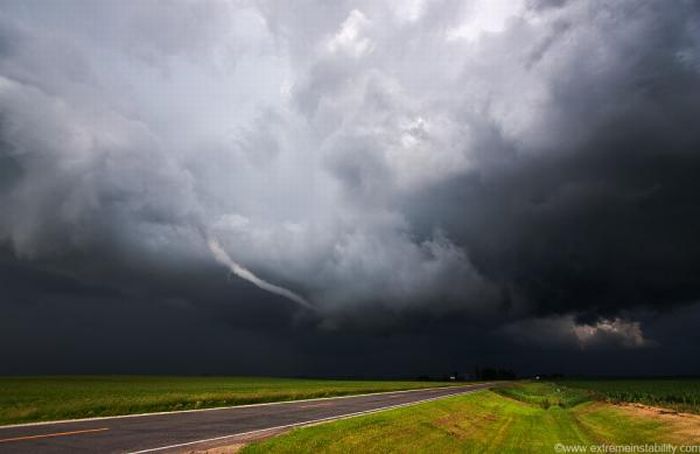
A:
185, 431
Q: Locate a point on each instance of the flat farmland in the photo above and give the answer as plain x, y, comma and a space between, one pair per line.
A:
30, 399
672, 393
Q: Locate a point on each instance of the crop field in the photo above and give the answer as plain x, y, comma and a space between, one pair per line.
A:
523, 417
27, 399
677, 394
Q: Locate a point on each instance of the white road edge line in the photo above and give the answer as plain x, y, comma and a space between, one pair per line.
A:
305, 423
229, 407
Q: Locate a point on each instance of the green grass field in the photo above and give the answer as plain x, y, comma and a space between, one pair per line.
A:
486, 421
26, 399
677, 394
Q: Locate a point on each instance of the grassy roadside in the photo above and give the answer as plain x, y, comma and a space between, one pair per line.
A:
28, 399
544, 395
540, 416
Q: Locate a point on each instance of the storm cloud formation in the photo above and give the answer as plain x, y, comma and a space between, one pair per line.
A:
427, 175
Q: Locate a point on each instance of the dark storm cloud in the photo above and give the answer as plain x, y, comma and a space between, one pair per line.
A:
606, 217
430, 176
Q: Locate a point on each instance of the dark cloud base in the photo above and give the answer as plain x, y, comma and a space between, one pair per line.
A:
59, 325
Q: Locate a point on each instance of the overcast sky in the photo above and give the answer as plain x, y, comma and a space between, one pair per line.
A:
350, 187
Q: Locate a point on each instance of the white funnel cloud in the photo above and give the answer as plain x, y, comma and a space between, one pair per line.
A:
222, 257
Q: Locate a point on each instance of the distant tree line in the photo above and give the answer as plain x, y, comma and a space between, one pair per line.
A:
479, 373
492, 373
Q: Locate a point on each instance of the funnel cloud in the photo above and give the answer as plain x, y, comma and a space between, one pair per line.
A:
240, 271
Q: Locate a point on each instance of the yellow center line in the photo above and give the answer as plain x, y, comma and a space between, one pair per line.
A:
323, 404
57, 434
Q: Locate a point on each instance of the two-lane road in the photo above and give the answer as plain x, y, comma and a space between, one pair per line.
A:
180, 431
